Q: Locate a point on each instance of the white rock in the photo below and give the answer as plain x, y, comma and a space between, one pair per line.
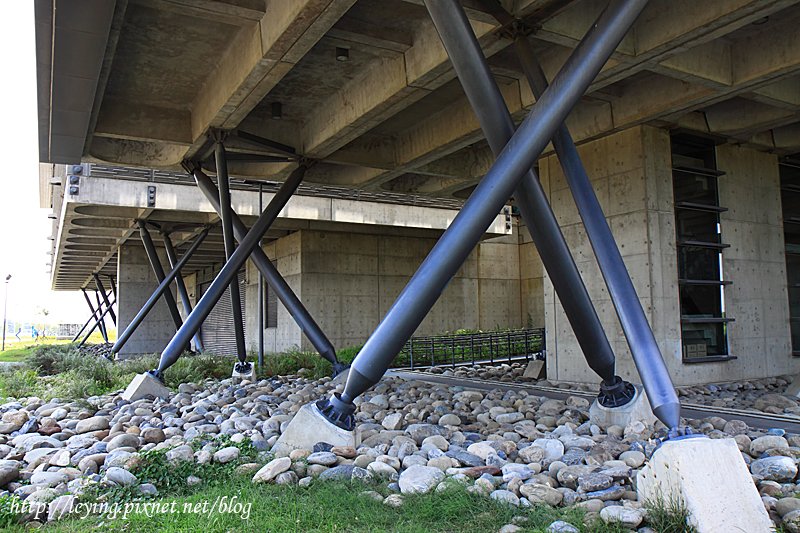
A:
120, 476
226, 455
419, 479
630, 518
271, 470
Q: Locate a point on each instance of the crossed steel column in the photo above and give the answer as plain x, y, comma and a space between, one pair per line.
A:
644, 348
282, 290
229, 271
92, 317
158, 270
96, 323
98, 312
484, 203
163, 287
172, 259
495, 120
102, 290
223, 182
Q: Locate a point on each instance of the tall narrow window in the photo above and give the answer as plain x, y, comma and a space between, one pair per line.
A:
700, 277
790, 198
270, 305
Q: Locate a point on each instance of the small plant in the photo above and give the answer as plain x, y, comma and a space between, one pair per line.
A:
8, 516
668, 515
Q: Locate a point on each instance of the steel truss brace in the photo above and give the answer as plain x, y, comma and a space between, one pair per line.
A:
229, 271
275, 281
102, 290
163, 288
97, 322
158, 270
488, 198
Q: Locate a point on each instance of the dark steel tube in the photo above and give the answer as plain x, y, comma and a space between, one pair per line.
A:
161, 289
91, 330
92, 317
260, 289
498, 127
484, 204
223, 182
113, 286
102, 289
172, 258
158, 270
273, 278
229, 271
644, 348
102, 325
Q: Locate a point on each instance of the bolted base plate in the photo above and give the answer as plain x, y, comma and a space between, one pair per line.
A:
638, 408
308, 427
244, 371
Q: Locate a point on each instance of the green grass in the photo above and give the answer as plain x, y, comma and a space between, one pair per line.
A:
17, 351
328, 507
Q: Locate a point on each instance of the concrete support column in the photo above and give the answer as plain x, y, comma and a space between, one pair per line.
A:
135, 283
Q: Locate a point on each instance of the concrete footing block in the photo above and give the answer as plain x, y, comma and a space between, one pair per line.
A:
534, 370
793, 389
638, 409
711, 480
144, 385
246, 375
308, 427
341, 377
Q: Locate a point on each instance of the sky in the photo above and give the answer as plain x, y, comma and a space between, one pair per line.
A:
24, 227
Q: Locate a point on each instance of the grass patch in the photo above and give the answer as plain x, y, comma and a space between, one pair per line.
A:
62, 371
668, 516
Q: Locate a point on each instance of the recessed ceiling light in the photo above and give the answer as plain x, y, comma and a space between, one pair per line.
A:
342, 54
277, 111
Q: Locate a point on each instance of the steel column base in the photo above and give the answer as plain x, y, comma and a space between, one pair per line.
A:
616, 394
338, 368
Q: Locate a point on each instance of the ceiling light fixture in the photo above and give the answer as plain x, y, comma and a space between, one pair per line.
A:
277, 111
342, 54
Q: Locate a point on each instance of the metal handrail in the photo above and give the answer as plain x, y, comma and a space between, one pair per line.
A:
470, 349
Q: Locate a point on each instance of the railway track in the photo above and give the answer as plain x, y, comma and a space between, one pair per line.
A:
688, 410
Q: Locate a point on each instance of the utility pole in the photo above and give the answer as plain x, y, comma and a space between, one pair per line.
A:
5, 308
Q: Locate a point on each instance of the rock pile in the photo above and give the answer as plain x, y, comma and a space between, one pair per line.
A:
514, 447
764, 395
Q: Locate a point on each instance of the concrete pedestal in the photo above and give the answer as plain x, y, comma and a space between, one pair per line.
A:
248, 375
534, 370
145, 385
793, 389
637, 409
341, 377
309, 427
711, 480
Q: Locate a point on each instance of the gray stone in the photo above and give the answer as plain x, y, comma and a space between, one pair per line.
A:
226, 455
8, 474
762, 444
785, 506
791, 522
48, 479
120, 476
630, 518
148, 489
537, 493
271, 470
322, 458
419, 479
449, 420
559, 526
95, 423
126, 440
183, 452
777, 468
553, 449
392, 421
61, 507
594, 482
505, 496
338, 473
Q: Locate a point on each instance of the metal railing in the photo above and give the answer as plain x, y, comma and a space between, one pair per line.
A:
470, 349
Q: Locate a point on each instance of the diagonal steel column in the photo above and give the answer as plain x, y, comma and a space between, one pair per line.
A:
483, 205
98, 312
644, 348
92, 317
155, 263
172, 258
99, 309
229, 271
102, 289
113, 285
99, 320
162, 288
283, 291
223, 182
498, 127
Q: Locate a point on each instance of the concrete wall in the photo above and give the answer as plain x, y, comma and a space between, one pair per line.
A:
631, 174
135, 283
348, 281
